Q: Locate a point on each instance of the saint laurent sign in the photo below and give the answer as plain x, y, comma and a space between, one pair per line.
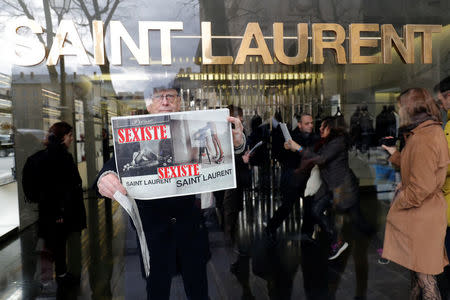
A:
389, 38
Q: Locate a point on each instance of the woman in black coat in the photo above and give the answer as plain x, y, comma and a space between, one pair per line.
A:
60, 201
340, 187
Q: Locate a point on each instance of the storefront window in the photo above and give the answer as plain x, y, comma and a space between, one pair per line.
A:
120, 50
6, 129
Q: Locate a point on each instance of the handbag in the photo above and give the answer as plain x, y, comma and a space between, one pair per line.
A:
346, 195
314, 182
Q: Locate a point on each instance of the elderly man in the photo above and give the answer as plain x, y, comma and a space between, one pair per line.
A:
176, 236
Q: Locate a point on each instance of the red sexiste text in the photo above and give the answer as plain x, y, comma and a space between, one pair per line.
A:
179, 171
139, 134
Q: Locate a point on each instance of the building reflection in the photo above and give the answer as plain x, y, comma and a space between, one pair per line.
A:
261, 91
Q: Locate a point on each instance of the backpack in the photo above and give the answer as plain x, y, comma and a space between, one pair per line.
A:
30, 175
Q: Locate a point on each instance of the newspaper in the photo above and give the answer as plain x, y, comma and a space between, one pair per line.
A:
285, 130
129, 204
255, 147
166, 155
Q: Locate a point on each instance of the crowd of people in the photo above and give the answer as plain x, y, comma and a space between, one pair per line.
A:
314, 168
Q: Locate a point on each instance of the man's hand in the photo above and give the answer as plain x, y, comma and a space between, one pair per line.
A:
246, 157
291, 145
109, 184
237, 131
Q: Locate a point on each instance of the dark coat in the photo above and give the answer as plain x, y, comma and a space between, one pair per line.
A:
287, 158
174, 229
243, 174
337, 177
261, 156
332, 159
293, 183
61, 193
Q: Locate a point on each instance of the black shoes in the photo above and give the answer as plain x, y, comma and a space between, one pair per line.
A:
68, 279
234, 267
271, 235
307, 238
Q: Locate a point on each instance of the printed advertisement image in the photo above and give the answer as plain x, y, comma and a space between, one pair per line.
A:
174, 154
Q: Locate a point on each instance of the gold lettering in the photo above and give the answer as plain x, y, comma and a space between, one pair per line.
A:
99, 42
119, 33
37, 53
207, 57
405, 50
356, 43
302, 44
319, 44
29, 52
66, 30
253, 31
165, 28
142, 53
427, 42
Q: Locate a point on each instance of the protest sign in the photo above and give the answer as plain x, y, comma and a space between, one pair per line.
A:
174, 154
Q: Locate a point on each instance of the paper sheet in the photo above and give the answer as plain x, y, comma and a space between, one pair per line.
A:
285, 130
255, 147
129, 204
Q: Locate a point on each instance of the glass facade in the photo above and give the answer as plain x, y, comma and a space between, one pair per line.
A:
88, 94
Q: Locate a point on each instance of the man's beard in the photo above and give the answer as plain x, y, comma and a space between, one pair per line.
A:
305, 134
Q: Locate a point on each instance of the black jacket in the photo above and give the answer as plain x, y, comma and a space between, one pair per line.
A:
332, 159
243, 174
61, 194
261, 156
291, 160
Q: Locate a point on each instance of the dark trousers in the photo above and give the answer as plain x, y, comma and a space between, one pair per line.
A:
60, 257
447, 241
232, 205
359, 221
290, 196
322, 201
292, 186
444, 278
57, 246
308, 219
192, 271
178, 243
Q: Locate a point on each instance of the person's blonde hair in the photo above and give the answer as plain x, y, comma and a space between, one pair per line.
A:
416, 103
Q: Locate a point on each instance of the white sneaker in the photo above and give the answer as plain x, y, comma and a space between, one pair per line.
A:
337, 249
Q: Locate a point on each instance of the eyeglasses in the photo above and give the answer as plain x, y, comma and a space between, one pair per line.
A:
169, 97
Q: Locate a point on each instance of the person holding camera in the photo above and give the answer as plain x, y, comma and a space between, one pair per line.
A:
416, 222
